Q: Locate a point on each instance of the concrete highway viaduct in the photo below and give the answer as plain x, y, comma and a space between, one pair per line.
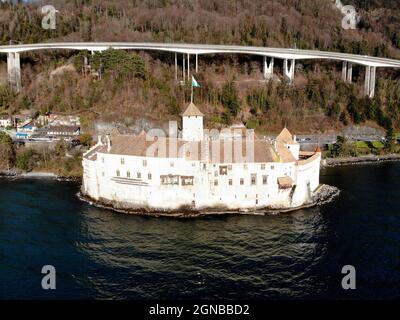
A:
289, 57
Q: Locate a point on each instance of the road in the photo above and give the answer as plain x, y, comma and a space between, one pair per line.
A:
197, 49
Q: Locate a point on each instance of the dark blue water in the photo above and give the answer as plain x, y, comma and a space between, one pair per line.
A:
102, 254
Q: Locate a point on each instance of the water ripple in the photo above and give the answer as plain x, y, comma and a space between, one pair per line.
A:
103, 254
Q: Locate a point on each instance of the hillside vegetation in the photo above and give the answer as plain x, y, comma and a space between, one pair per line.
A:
141, 85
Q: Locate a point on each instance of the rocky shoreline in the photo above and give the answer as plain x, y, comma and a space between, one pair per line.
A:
323, 195
332, 162
15, 174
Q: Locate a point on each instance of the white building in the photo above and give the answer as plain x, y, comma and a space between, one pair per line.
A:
63, 120
6, 121
62, 131
192, 124
26, 129
198, 172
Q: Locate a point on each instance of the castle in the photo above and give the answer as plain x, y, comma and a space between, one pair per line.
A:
198, 169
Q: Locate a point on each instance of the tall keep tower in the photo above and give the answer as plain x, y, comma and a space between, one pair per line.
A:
192, 124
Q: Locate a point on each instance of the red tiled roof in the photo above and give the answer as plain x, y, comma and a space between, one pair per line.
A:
285, 182
219, 151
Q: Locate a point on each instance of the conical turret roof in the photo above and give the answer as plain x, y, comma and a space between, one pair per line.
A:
285, 136
192, 111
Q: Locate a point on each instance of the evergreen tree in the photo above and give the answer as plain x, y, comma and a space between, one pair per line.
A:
389, 140
230, 101
7, 152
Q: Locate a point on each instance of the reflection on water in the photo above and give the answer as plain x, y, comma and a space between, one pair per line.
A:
191, 258
102, 254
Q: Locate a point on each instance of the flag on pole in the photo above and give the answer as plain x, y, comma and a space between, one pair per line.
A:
195, 84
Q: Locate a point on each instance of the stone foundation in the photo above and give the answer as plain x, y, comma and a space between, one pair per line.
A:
324, 194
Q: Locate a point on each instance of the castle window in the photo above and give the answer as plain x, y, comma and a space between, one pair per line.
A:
139, 175
144, 162
223, 170
263, 166
102, 159
193, 164
230, 167
230, 182
215, 173
253, 179
265, 179
128, 174
245, 166
122, 161
169, 179
272, 167
102, 173
149, 176
118, 173
187, 181
215, 182
241, 181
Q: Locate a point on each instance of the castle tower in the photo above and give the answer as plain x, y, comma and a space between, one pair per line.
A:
289, 142
192, 124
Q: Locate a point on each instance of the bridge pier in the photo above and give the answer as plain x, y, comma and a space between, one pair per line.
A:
349, 72
373, 82
188, 66
183, 68
344, 71
14, 71
370, 79
288, 72
176, 66
367, 80
268, 68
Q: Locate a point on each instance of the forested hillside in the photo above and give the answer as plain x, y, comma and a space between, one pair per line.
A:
232, 89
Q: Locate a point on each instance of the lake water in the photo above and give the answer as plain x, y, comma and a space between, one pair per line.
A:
102, 254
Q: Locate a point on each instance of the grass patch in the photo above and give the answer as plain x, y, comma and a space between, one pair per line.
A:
378, 144
360, 148
369, 145
362, 145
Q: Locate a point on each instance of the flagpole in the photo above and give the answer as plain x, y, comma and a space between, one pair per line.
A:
191, 94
